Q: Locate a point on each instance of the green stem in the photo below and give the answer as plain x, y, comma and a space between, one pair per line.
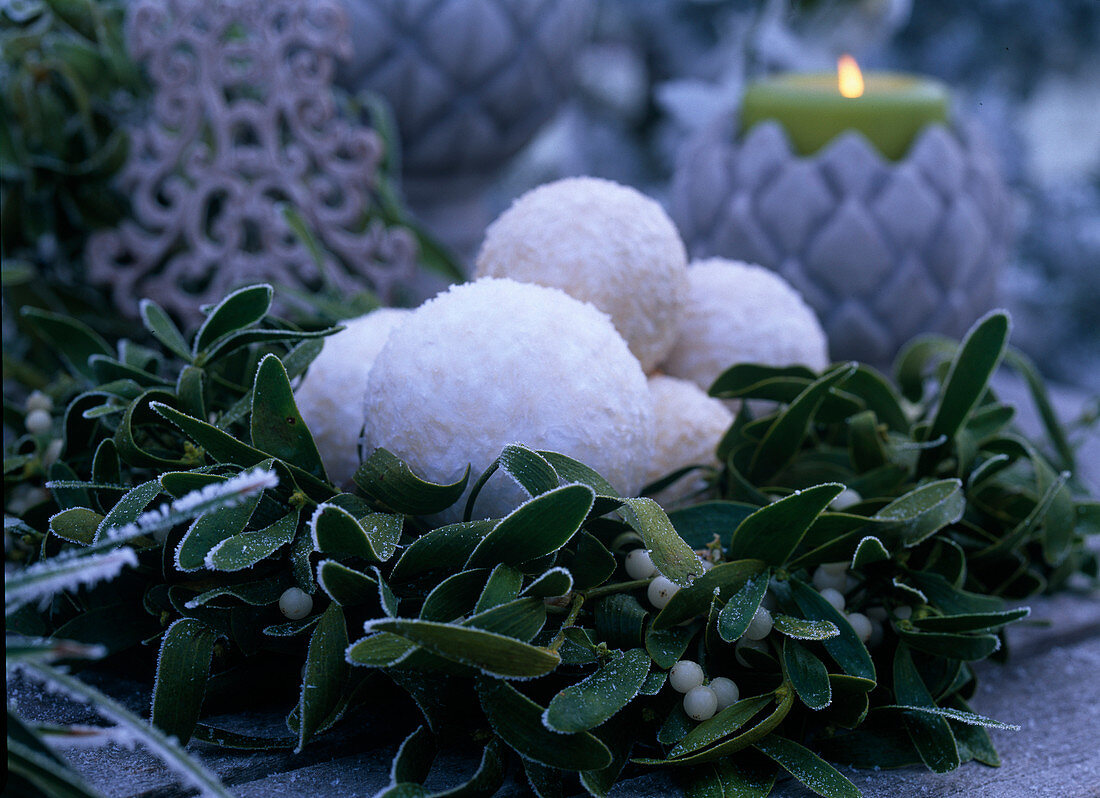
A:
618, 587
570, 619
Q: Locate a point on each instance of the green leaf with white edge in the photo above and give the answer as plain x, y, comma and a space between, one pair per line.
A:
620, 621
276, 425
698, 523
530, 469
242, 551
952, 646
784, 437
128, 508
931, 734
846, 648
807, 767
802, 629
373, 537
162, 327
537, 527
183, 668
972, 622
388, 480
952, 600
570, 470
521, 619
878, 395
76, 525
210, 529
978, 357
256, 594
414, 758
517, 720
674, 558
969, 718
344, 585
596, 698
556, 581
921, 513
667, 646
588, 560
441, 548
493, 654
676, 726
502, 586
224, 448
773, 532
545, 782
721, 726
724, 579
324, 674
73, 340
381, 650
735, 617
739, 379
870, 551
239, 310
807, 674
653, 682
455, 596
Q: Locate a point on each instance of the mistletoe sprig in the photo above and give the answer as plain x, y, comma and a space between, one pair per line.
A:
540, 635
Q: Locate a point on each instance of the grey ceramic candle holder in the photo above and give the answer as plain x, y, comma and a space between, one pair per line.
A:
882, 250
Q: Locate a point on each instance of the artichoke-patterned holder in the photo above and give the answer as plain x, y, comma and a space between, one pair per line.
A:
469, 82
243, 120
882, 250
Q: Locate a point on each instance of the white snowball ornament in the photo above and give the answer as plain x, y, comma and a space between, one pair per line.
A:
688, 426
741, 313
330, 395
495, 362
600, 242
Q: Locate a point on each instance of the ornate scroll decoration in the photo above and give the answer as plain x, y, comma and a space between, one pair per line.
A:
243, 119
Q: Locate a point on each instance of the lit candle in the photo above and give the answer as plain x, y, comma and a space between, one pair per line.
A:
889, 109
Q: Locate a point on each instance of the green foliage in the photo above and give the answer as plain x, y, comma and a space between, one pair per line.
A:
524, 633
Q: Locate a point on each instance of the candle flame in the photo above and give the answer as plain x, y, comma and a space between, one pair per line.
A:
849, 77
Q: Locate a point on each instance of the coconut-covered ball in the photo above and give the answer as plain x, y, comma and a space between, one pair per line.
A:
688, 425
602, 243
495, 362
330, 396
741, 313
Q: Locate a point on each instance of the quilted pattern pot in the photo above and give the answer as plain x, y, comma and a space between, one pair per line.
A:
470, 81
882, 250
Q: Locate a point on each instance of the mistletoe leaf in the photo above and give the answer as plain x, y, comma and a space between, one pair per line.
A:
240, 309
518, 721
455, 596
324, 674
277, 426
182, 671
724, 579
921, 513
674, 558
971, 622
720, 727
210, 529
537, 527
807, 767
502, 586
161, 326
76, 525
930, 733
521, 619
667, 646
772, 533
596, 698
73, 340
344, 585
846, 648
128, 508
555, 582
242, 551
801, 629
952, 646
441, 548
390, 482
698, 523
735, 617
807, 674
530, 469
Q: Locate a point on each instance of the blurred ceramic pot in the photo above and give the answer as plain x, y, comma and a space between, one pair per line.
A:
882, 250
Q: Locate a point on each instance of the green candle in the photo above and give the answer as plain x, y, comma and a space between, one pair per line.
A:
891, 110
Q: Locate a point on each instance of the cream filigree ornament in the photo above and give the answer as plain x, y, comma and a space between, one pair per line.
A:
243, 120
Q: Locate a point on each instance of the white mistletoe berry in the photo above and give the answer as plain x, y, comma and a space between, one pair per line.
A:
600, 242
741, 313
834, 597
701, 703
685, 675
38, 422
496, 362
760, 625
660, 591
861, 624
295, 603
639, 565
330, 395
726, 690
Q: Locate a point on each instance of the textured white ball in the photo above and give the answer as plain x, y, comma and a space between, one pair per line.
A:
685, 675
741, 313
701, 703
295, 603
639, 565
330, 395
688, 424
660, 591
495, 362
602, 243
726, 690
